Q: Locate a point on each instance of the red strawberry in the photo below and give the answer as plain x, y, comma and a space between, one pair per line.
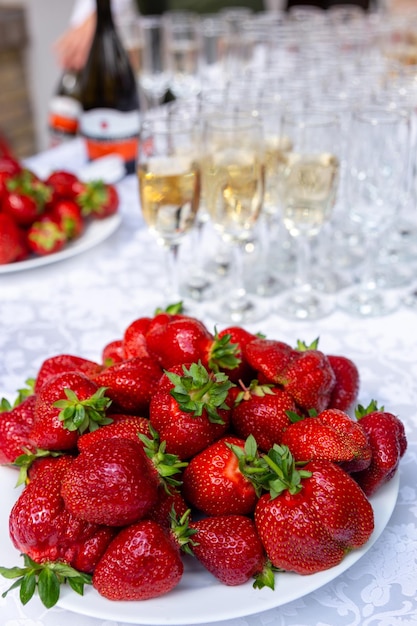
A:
177, 339
113, 352
12, 241
331, 435
269, 357
134, 338
388, 442
190, 413
309, 377
131, 384
180, 339
67, 405
216, 480
127, 429
140, 563
45, 237
64, 184
67, 214
262, 410
311, 517
346, 389
61, 363
228, 546
25, 197
110, 483
98, 199
41, 527
15, 426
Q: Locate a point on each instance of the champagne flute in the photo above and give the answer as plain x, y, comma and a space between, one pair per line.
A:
183, 46
169, 187
233, 188
153, 74
309, 185
378, 171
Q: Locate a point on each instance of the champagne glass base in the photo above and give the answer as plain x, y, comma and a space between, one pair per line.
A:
304, 304
244, 311
361, 302
197, 287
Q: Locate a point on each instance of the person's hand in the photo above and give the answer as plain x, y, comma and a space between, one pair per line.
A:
73, 46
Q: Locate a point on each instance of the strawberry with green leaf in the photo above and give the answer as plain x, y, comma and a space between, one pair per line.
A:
218, 480
67, 405
189, 409
262, 411
312, 515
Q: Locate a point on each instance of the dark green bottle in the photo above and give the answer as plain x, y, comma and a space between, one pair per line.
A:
110, 119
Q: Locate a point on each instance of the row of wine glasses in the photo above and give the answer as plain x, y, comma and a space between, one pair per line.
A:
335, 182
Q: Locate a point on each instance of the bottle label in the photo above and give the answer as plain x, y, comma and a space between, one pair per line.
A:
64, 115
108, 131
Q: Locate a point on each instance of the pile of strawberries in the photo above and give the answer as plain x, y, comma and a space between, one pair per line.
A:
39, 217
234, 448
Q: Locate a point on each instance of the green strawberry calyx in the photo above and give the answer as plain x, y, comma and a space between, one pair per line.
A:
93, 197
199, 390
25, 461
173, 309
251, 463
22, 394
223, 353
303, 347
180, 528
254, 389
46, 578
168, 466
284, 473
361, 411
83, 415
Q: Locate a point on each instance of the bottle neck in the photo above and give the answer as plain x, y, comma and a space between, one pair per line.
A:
104, 14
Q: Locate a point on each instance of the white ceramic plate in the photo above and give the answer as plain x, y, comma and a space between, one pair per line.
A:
95, 232
199, 598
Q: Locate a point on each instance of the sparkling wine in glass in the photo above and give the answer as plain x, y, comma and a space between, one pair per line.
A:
169, 187
233, 175
309, 185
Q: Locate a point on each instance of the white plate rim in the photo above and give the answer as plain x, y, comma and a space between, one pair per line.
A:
211, 601
95, 232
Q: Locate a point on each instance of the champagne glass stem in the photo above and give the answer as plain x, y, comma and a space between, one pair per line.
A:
303, 262
171, 266
368, 279
238, 300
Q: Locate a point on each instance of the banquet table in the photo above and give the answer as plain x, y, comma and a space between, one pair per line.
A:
80, 303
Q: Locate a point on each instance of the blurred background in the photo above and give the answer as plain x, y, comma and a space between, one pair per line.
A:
28, 69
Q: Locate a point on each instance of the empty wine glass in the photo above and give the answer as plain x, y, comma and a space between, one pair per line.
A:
169, 187
377, 171
153, 75
309, 185
233, 189
183, 47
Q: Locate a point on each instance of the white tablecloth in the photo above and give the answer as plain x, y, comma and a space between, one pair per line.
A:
78, 305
